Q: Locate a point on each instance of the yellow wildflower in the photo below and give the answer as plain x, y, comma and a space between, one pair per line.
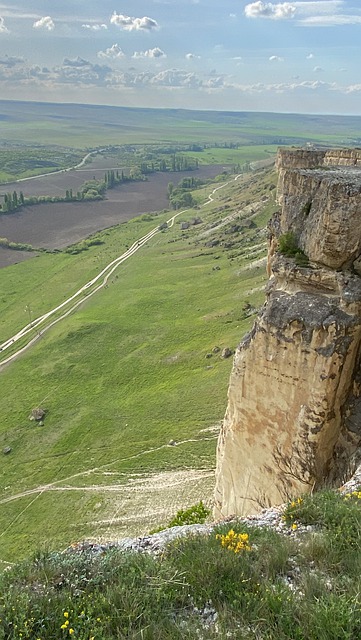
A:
235, 542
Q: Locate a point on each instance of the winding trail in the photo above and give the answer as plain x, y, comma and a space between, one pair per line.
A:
45, 322
53, 173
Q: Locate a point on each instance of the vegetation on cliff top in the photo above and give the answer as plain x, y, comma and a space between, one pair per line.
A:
236, 582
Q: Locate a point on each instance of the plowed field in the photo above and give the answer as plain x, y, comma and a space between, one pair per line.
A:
57, 225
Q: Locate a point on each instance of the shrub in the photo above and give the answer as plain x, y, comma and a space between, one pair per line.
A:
288, 246
197, 514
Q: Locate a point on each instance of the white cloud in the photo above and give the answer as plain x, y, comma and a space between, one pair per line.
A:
94, 27
308, 13
280, 11
79, 74
11, 61
3, 28
150, 53
275, 59
112, 53
330, 20
133, 24
318, 69
318, 7
45, 23
233, 15
353, 88
286, 87
310, 56
192, 56
176, 78
76, 62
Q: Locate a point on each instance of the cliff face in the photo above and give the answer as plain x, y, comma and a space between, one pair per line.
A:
293, 420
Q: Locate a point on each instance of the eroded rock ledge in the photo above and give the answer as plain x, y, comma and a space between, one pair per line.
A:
293, 421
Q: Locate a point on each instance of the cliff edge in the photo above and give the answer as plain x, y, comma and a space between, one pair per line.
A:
293, 421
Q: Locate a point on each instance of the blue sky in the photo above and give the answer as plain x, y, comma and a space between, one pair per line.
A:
301, 56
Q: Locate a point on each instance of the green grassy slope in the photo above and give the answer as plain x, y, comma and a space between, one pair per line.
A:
127, 373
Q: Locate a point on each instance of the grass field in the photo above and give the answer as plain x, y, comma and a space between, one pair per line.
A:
86, 126
126, 374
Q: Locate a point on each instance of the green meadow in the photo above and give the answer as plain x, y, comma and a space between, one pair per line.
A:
85, 126
136, 366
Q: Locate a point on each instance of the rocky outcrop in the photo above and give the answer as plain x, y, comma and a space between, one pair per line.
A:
293, 420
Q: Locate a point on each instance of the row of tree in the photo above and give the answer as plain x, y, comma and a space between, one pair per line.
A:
176, 163
90, 190
12, 201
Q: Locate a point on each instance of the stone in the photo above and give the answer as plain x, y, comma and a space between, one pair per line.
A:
7, 450
172, 443
293, 420
226, 352
37, 414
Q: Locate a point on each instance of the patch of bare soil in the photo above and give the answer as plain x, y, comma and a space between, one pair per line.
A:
57, 225
146, 502
10, 256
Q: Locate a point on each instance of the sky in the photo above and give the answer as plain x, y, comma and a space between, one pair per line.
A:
234, 55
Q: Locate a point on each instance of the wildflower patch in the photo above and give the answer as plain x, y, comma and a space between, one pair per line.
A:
235, 542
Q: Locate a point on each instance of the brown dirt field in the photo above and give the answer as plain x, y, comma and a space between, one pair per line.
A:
55, 226
10, 256
57, 184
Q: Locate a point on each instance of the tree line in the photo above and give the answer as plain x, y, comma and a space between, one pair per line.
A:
95, 189
90, 190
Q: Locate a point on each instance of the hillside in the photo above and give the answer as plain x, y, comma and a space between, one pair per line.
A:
137, 366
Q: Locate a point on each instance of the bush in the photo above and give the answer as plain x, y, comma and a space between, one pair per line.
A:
288, 246
197, 514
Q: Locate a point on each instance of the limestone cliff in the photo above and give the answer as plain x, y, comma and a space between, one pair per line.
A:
293, 420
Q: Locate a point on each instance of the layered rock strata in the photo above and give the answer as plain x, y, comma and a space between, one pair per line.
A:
293, 421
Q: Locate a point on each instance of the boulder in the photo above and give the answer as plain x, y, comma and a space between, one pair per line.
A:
37, 414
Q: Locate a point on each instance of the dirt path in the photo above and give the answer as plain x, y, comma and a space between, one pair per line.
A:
53, 173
